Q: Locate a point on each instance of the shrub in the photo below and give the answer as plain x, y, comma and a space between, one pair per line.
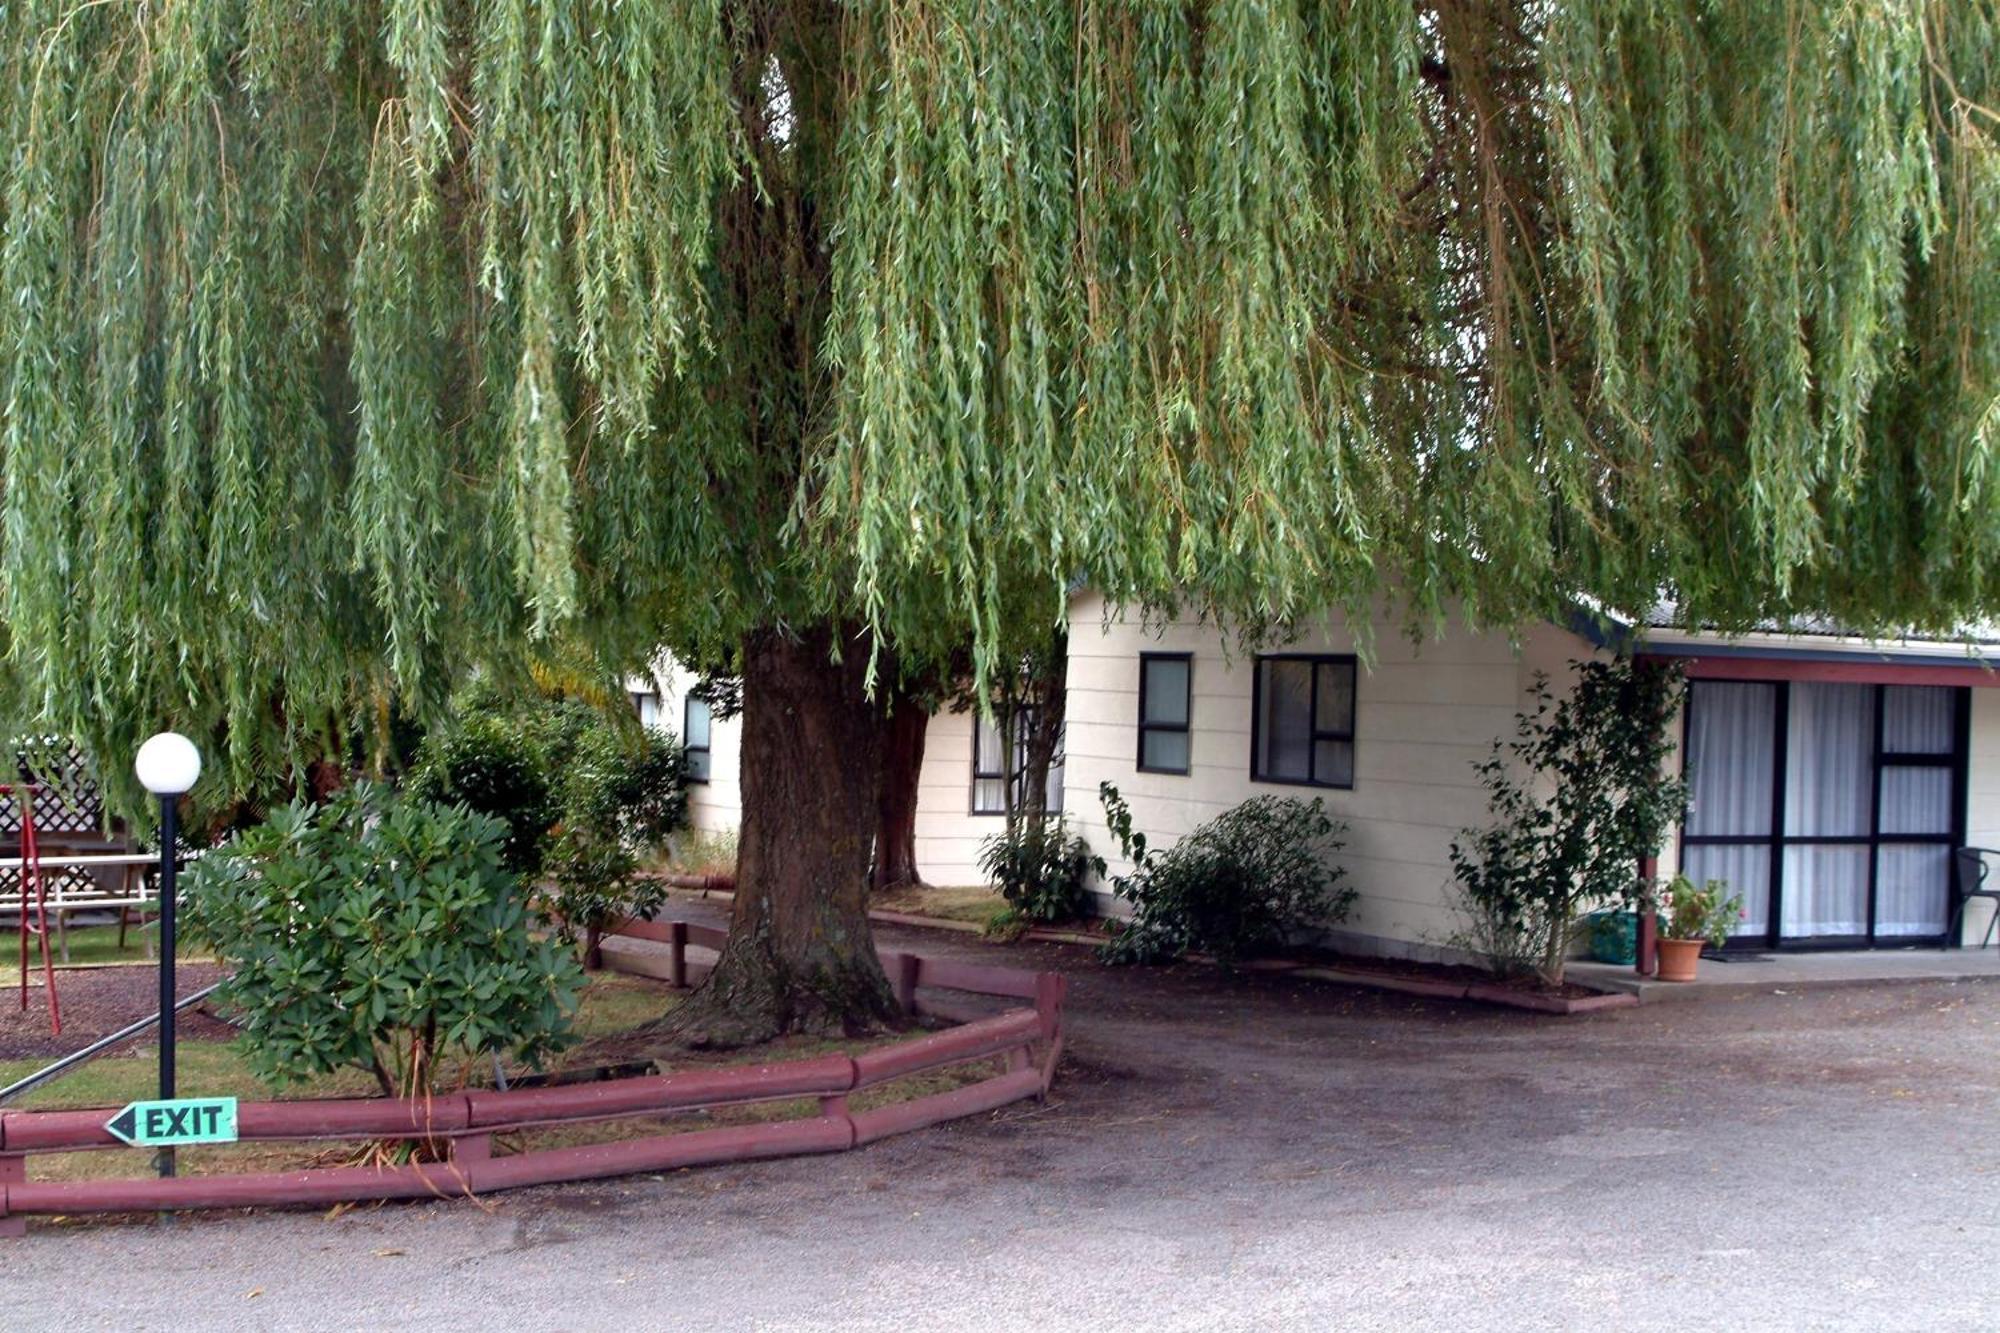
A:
1579, 797
1042, 869
608, 808
383, 932
1236, 887
490, 765
581, 795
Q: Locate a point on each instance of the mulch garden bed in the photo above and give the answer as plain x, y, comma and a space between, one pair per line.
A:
1458, 974
1446, 981
98, 1001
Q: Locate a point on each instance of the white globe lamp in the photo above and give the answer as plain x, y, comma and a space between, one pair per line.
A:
168, 764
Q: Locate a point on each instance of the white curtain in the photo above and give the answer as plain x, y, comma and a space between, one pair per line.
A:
1916, 800
1730, 735
1746, 869
1917, 719
1731, 738
1829, 761
1826, 891
1829, 764
1912, 889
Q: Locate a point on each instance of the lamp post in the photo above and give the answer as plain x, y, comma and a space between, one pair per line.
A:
167, 765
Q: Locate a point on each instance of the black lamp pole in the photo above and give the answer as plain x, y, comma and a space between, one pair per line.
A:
168, 806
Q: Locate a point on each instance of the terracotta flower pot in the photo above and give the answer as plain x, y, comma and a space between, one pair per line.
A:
1679, 958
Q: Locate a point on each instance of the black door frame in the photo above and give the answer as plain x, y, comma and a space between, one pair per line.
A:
1778, 839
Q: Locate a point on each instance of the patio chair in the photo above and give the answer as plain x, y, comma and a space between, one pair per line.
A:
1970, 872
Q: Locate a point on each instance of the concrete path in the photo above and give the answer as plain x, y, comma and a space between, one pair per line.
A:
1752, 973
1263, 1153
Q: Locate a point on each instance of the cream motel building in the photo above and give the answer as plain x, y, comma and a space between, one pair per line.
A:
1833, 777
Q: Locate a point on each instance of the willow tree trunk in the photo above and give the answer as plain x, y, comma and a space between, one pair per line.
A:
800, 956
903, 734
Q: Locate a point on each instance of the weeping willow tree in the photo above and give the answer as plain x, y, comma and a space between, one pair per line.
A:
347, 342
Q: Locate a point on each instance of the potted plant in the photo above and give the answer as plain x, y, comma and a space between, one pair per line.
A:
1695, 916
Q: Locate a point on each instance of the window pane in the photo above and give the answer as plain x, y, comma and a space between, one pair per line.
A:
1166, 690
648, 705
985, 747
1163, 749
1731, 732
1829, 763
697, 765
1916, 800
1336, 698
1917, 719
1333, 761
1912, 889
988, 798
1826, 891
697, 723
1747, 871
1284, 733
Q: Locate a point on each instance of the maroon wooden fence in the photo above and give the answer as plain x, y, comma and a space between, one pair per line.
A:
1026, 1038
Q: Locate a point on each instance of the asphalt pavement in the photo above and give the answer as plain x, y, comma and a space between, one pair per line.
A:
1259, 1153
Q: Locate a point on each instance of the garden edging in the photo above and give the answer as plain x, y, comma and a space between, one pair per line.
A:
467, 1121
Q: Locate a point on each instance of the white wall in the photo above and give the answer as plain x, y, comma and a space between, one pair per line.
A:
1424, 714
948, 833
1982, 814
715, 806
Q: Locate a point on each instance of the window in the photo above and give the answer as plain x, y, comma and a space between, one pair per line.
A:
1166, 692
1831, 808
646, 703
1302, 720
989, 795
695, 736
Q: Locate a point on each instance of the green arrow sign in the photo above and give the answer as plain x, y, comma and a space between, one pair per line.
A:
170, 1124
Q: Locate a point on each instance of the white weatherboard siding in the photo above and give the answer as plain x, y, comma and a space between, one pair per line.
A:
948, 833
1982, 814
715, 806
1424, 714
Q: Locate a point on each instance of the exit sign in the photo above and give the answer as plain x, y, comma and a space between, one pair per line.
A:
173, 1124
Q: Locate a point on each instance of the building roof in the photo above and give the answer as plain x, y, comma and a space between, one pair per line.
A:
1662, 631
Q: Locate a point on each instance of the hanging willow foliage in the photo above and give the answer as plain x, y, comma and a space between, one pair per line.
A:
349, 341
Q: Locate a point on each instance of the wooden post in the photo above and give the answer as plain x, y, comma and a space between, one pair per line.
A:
904, 979
13, 1171
677, 959
1646, 960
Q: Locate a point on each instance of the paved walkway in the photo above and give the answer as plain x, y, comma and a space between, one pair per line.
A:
1266, 1153
1775, 971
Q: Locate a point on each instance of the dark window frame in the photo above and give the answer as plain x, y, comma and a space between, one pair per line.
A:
688, 746
1012, 772
1315, 734
1185, 727
639, 698
1957, 762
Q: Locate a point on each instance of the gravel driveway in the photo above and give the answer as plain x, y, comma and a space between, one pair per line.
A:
1225, 1154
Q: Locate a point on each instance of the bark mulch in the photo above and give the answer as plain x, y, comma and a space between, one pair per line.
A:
98, 1001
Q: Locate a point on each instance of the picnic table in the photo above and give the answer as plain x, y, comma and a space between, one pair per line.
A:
132, 893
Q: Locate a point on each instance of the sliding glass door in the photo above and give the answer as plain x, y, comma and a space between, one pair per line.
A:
1831, 808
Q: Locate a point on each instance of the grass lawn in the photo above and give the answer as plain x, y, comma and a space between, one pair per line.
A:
88, 946
977, 904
